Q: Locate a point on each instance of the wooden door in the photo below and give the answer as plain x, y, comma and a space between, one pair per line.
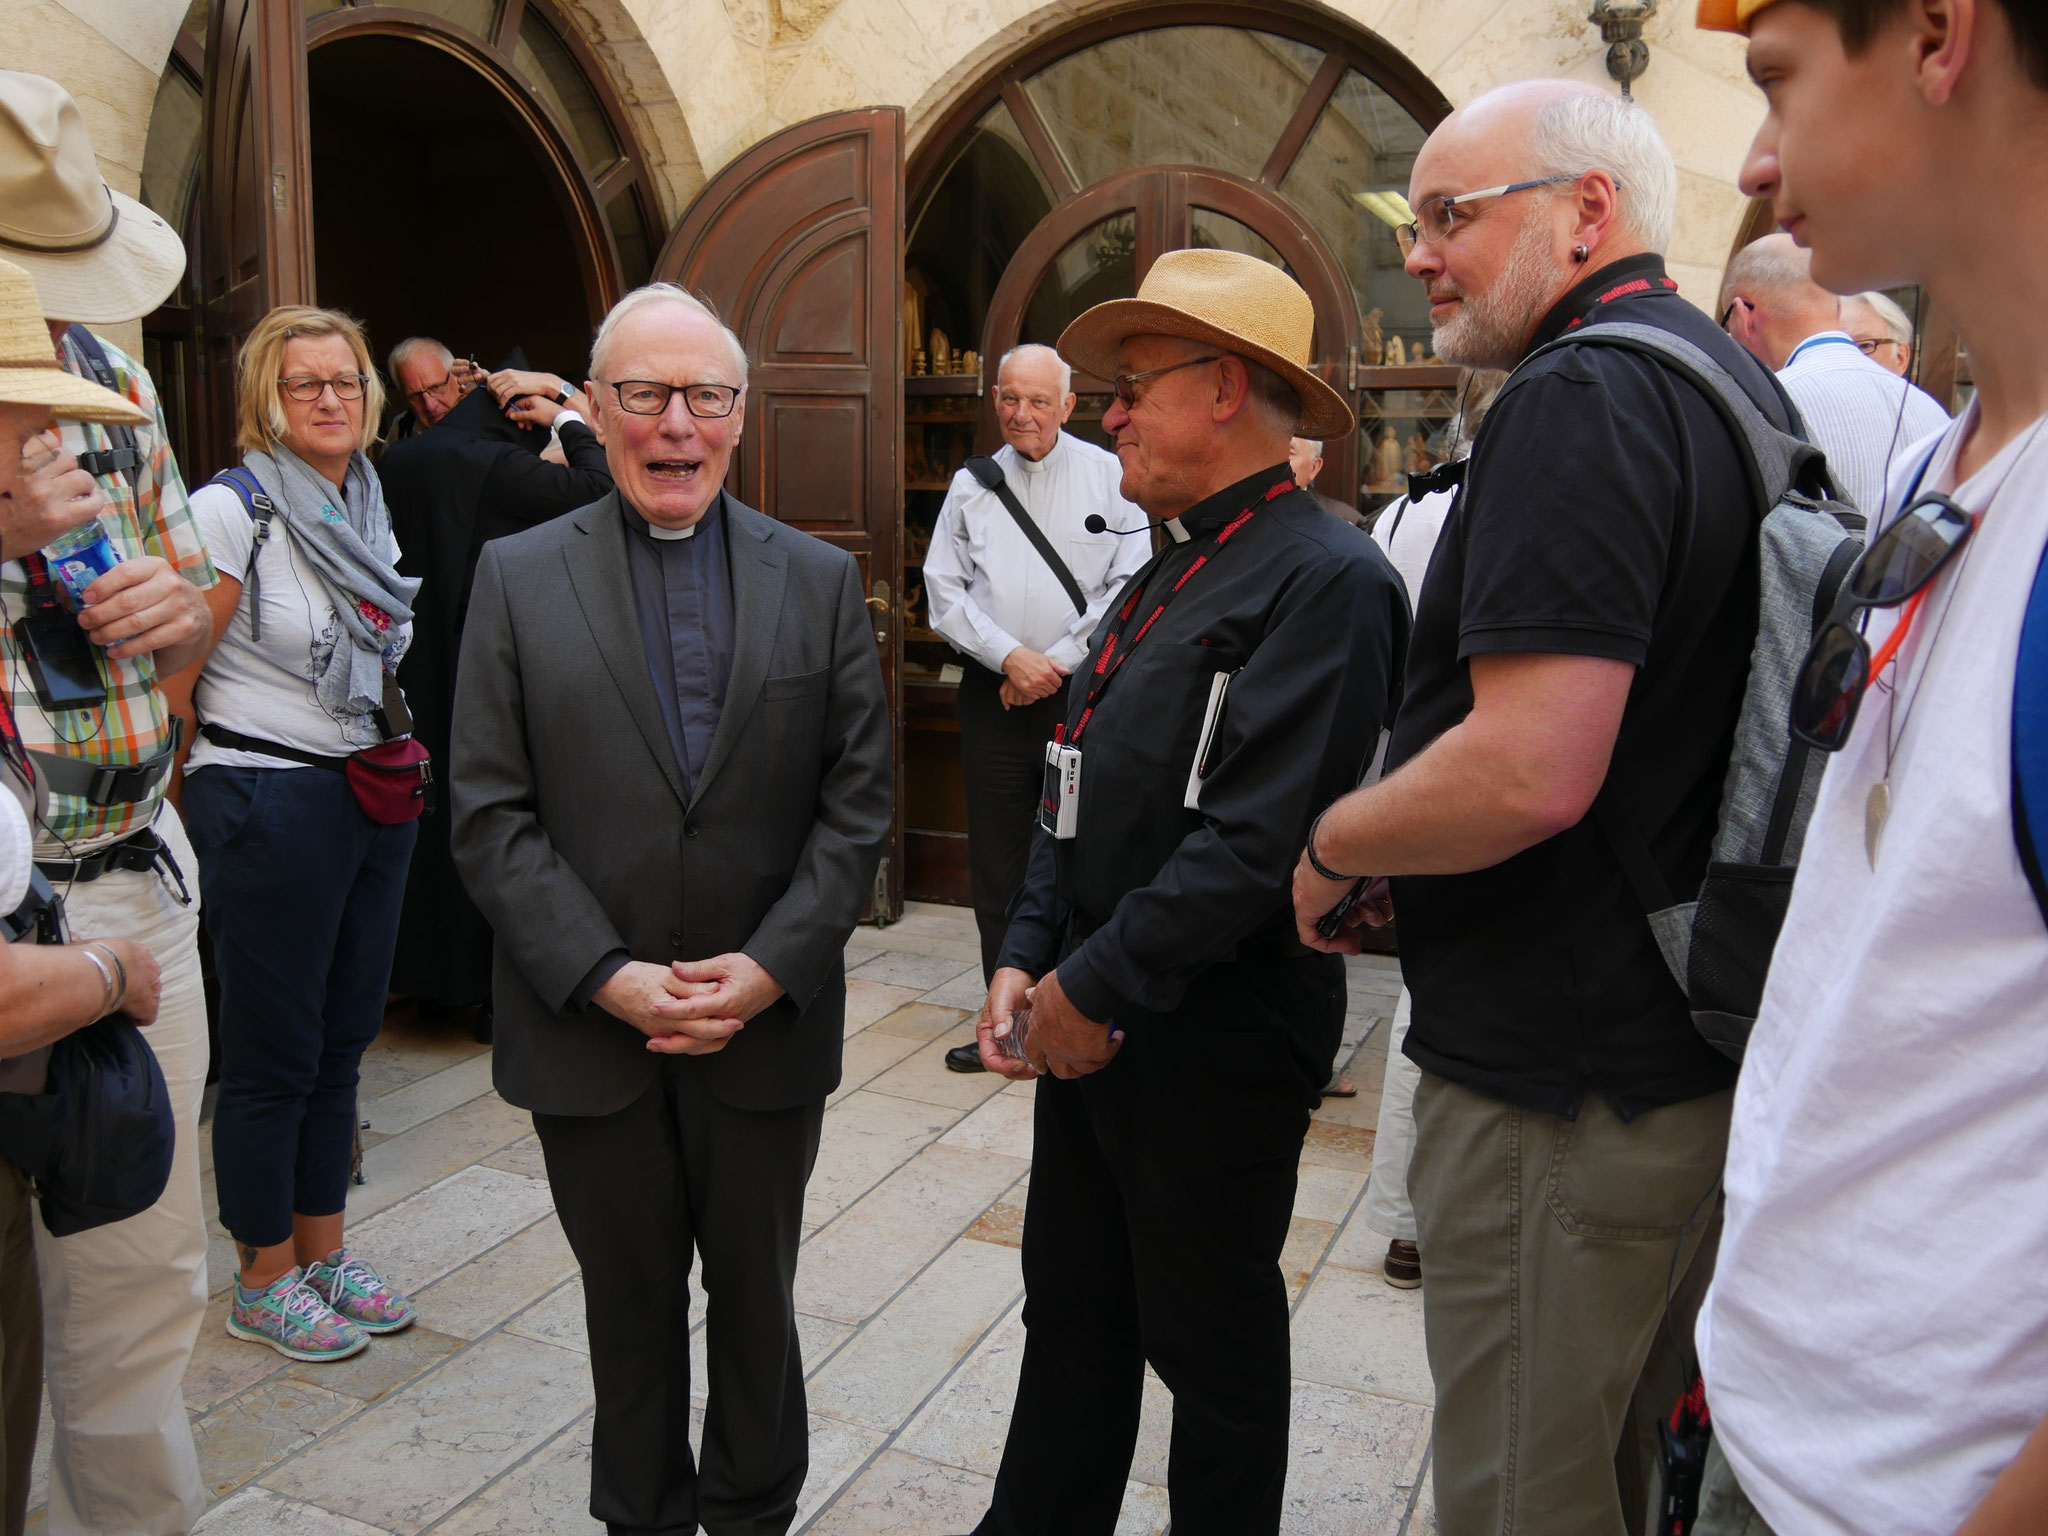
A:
256, 233
798, 245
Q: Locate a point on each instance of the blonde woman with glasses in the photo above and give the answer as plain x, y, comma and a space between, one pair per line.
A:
302, 886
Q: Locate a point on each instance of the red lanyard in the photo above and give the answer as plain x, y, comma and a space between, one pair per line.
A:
1115, 653
11, 744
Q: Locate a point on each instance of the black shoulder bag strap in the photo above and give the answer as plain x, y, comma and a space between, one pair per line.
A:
989, 474
125, 457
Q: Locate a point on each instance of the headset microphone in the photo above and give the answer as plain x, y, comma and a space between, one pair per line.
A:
1095, 522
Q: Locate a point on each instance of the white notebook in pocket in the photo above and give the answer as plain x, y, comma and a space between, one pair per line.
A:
1212, 717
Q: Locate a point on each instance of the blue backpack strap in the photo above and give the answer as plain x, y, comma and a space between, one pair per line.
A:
2030, 741
257, 503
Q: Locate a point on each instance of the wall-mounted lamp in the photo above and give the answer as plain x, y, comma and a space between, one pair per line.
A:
1621, 28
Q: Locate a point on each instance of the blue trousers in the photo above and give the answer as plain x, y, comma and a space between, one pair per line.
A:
301, 894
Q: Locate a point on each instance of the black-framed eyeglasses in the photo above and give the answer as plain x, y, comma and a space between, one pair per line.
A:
1900, 564
1870, 344
306, 389
650, 397
1436, 217
1126, 384
1729, 313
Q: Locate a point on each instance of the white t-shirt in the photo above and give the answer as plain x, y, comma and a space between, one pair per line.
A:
1407, 532
266, 690
1876, 1339
17, 851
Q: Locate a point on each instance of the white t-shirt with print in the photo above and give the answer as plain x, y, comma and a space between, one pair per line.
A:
266, 690
1876, 1339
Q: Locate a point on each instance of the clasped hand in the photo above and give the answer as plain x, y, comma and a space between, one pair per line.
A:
691, 1008
1062, 1040
1029, 676
1315, 897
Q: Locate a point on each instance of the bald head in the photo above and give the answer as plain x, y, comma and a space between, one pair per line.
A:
1772, 301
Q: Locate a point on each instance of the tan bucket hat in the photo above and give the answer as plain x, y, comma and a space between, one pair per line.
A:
29, 374
95, 255
1237, 302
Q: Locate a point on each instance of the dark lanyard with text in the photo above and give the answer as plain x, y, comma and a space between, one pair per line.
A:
1115, 653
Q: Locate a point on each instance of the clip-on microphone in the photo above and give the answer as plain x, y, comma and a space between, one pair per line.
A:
1095, 522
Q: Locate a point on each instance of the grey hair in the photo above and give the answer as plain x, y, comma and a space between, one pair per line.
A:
1315, 446
1896, 322
1769, 265
413, 347
1030, 350
665, 293
1594, 131
1274, 396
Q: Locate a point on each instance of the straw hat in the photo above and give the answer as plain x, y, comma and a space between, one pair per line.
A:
95, 255
1237, 302
29, 374
1729, 15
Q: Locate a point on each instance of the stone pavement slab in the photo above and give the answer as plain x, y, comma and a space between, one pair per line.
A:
477, 1421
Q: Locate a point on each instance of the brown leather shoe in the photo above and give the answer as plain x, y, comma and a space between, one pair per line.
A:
1404, 1266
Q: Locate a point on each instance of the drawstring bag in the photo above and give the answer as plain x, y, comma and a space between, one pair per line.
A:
97, 1141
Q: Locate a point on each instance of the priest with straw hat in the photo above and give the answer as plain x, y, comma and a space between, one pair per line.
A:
1236, 687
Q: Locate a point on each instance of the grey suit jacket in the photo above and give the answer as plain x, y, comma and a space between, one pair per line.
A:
571, 829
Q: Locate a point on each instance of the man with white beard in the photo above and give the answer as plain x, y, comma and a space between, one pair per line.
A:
1585, 632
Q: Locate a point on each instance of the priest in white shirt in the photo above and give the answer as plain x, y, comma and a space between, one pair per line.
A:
1020, 625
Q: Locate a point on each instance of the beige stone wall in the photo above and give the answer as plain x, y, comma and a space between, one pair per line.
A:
706, 79
744, 68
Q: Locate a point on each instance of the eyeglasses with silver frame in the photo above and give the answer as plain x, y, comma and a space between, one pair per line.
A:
1435, 218
650, 397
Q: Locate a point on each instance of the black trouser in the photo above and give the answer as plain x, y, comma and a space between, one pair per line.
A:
637, 1191
1161, 1188
1003, 752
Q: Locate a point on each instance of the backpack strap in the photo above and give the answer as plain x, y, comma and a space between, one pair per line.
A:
2030, 742
989, 475
260, 509
1778, 460
125, 457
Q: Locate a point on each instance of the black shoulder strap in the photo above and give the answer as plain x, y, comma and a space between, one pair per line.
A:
989, 474
125, 457
260, 509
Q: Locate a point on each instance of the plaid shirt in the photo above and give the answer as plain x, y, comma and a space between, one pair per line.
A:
148, 516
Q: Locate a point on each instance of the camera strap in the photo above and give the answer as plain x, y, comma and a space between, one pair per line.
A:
1115, 653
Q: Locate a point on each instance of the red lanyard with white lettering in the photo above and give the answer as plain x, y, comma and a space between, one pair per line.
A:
1115, 653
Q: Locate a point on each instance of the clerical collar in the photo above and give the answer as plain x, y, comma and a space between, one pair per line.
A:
667, 535
1627, 278
1212, 512
1039, 466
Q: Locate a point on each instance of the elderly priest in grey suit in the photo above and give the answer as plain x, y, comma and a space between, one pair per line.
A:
671, 788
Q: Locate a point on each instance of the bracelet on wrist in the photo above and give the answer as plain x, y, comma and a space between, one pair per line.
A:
120, 989
1315, 863
106, 981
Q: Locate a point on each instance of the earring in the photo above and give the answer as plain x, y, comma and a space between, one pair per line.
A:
1580, 253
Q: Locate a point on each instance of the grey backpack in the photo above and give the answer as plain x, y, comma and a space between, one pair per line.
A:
1719, 946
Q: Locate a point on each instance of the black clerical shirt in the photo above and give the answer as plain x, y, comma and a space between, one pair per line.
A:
682, 594
1313, 623
682, 598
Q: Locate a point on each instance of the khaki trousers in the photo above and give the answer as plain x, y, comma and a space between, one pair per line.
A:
1725, 1509
1549, 1243
122, 1303
21, 1347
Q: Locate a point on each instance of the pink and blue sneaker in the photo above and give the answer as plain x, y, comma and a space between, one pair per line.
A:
295, 1320
358, 1294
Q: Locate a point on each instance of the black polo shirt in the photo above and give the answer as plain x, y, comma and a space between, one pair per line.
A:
1606, 512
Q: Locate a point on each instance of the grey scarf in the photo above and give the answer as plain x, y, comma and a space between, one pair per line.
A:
350, 549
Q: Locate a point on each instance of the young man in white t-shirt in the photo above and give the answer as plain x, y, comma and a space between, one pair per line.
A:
1875, 1344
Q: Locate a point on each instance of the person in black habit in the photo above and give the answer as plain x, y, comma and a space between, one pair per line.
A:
475, 476
1184, 1029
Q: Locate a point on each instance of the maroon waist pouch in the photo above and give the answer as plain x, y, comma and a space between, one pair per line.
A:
392, 780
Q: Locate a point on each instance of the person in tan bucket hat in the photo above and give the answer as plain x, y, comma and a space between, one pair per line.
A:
123, 1302
1184, 1033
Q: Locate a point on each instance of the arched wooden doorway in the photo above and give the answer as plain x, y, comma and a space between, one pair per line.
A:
1059, 178
261, 94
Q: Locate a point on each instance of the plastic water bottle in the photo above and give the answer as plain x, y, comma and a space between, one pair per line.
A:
79, 558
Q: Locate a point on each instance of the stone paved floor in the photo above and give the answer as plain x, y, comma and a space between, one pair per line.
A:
477, 1420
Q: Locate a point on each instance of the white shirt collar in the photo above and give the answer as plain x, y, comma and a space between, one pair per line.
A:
1039, 466
1179, 534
